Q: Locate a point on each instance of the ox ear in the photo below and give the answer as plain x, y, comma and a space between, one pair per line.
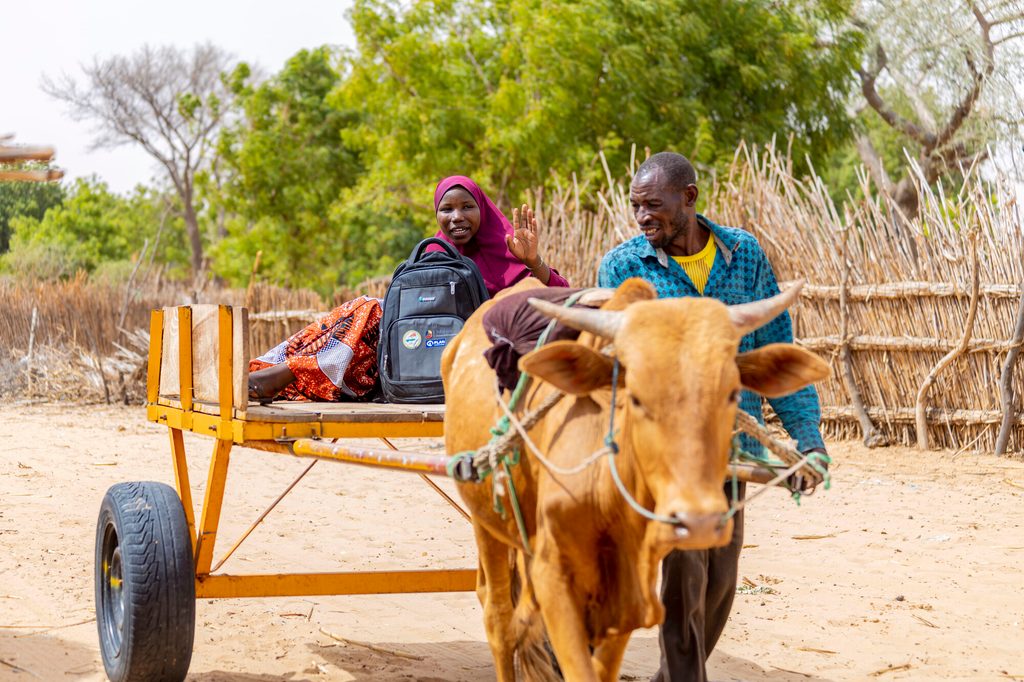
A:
779, 369
569, 367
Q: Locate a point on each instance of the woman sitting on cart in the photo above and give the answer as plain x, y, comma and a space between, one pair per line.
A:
335, 358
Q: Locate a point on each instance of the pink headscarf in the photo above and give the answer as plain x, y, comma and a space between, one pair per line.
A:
488, 248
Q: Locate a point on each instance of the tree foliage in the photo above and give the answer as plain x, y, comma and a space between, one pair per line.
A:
514, 90
25, 199
287, 170
168, 101
328, 166
94, 228
940, 80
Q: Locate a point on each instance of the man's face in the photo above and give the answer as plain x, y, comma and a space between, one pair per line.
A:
663, 213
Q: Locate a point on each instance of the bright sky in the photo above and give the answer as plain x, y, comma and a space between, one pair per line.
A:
57, 35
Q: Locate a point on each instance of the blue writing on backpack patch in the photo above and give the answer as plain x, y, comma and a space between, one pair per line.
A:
437, 343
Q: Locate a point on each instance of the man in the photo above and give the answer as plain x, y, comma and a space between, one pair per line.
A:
682, 253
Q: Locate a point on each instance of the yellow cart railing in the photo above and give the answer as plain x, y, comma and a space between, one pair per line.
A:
197, 381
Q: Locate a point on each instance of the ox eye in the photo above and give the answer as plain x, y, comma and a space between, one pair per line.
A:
636, 403
734, 397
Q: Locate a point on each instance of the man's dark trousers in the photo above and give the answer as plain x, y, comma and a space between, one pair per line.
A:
697, 589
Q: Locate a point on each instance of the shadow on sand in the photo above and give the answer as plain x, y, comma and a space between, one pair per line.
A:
725, 668
33, 655
470, 661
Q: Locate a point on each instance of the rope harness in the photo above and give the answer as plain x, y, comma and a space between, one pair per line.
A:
502, 452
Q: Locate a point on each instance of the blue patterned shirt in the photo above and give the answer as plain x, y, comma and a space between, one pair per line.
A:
741, 273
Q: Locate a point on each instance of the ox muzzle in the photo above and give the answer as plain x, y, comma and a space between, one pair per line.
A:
694, 530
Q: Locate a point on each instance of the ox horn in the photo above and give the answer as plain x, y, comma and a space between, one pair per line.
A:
603, 323
747, 317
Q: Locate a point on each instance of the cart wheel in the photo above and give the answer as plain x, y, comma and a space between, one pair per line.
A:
145, 584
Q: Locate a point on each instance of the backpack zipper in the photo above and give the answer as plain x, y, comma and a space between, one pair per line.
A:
452, 285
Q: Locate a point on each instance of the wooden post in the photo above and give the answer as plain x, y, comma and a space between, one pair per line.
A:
24, 153
31, 348
921, 418
1006, 397
31, 175
212, 503
185, 357
872, 437
225, 362
252, 280
156, 340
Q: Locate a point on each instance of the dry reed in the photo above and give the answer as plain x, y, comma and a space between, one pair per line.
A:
909, 285
906, 292
79, 352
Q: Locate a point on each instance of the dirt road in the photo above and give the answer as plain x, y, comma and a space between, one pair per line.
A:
909, 568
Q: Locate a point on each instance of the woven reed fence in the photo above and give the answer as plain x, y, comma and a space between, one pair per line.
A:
272, 318
887, 299
83, 339
89, 314
885, 314
890, 297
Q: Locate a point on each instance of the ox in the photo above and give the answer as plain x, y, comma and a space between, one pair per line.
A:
594, 566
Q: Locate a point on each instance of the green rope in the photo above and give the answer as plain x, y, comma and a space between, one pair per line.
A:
814, 460
453, 462
516, 511
502, 426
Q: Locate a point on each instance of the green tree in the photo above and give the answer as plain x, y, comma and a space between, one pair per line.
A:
25, 199
168, 101
940, 80
510, 91
330, 165
92, 228
285, 168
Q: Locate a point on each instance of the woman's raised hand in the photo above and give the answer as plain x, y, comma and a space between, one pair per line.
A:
523, 242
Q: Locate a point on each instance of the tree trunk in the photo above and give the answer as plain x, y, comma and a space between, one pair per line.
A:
907, 198
194, 237
873, 162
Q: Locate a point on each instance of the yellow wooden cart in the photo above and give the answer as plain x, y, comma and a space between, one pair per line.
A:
153, 560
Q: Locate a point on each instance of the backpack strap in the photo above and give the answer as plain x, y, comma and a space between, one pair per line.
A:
420, 248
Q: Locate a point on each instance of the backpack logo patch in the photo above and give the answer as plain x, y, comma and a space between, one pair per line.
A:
412, 339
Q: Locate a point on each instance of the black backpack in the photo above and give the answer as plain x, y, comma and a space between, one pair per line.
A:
429, 299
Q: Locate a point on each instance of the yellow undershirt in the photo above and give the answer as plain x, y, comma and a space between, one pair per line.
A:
698, 266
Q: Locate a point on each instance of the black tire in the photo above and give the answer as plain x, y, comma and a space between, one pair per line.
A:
145, 584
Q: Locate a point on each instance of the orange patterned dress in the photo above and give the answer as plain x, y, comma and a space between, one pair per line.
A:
334, 358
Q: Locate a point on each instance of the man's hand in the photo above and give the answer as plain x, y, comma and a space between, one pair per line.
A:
523, 243
800, 483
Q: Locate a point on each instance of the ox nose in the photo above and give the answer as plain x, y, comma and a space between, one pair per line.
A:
700, 529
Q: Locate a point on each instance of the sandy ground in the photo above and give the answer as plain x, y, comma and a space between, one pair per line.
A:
909, 568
